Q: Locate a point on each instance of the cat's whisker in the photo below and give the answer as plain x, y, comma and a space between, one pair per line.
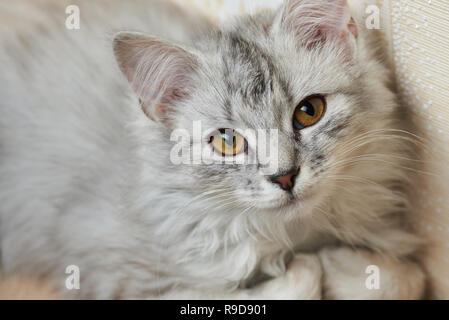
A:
203, 195
391, 130
246, 210
369, 155
380, 134
390, 197
214, 202
225, 204
371, 139
376, 132
361, 158
354, 178
344, 163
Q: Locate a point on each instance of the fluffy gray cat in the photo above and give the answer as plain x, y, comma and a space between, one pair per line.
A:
87, 178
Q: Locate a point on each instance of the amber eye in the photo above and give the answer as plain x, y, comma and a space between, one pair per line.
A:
227, 142
308, 112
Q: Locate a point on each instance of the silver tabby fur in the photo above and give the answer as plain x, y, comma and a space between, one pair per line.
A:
86, 177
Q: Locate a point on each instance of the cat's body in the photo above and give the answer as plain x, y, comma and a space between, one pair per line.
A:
86, 177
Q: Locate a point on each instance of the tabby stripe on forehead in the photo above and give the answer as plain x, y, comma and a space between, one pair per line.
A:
263, 77
262, 68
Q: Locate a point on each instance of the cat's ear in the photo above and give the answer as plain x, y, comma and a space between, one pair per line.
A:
318, 21
159, 72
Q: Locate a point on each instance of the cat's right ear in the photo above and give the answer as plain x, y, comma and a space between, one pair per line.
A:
315, 22
159, 72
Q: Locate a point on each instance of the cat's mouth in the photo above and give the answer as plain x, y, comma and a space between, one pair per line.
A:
291, 202
294, 200
297, 199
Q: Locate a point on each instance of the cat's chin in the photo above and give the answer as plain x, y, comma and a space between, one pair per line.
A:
290, 202
297, 204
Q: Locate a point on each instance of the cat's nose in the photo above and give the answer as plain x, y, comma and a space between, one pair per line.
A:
286, 180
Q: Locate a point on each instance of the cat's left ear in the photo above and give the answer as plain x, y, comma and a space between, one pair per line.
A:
161, 73
316, 22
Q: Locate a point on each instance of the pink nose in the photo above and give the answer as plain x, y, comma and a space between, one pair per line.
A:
286, 181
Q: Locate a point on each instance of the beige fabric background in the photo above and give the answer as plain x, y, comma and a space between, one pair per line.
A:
417, 36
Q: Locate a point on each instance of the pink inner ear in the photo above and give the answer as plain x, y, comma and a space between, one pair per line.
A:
162, 77
318, 21
159, 72
353, 28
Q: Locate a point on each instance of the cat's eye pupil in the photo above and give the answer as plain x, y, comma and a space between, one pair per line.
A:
228, 139
309, 112
308, 108
227, 142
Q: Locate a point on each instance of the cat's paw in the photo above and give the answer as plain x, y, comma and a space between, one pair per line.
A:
351, 274
302, 281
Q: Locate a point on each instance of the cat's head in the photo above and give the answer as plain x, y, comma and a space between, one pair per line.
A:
296, 70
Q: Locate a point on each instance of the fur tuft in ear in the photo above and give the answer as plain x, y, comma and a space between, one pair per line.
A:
318, 21
159, 72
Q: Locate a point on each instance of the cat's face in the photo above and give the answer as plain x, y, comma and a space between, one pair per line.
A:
265, 73
264, 85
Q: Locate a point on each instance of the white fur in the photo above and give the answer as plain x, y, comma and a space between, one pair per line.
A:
78, 169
